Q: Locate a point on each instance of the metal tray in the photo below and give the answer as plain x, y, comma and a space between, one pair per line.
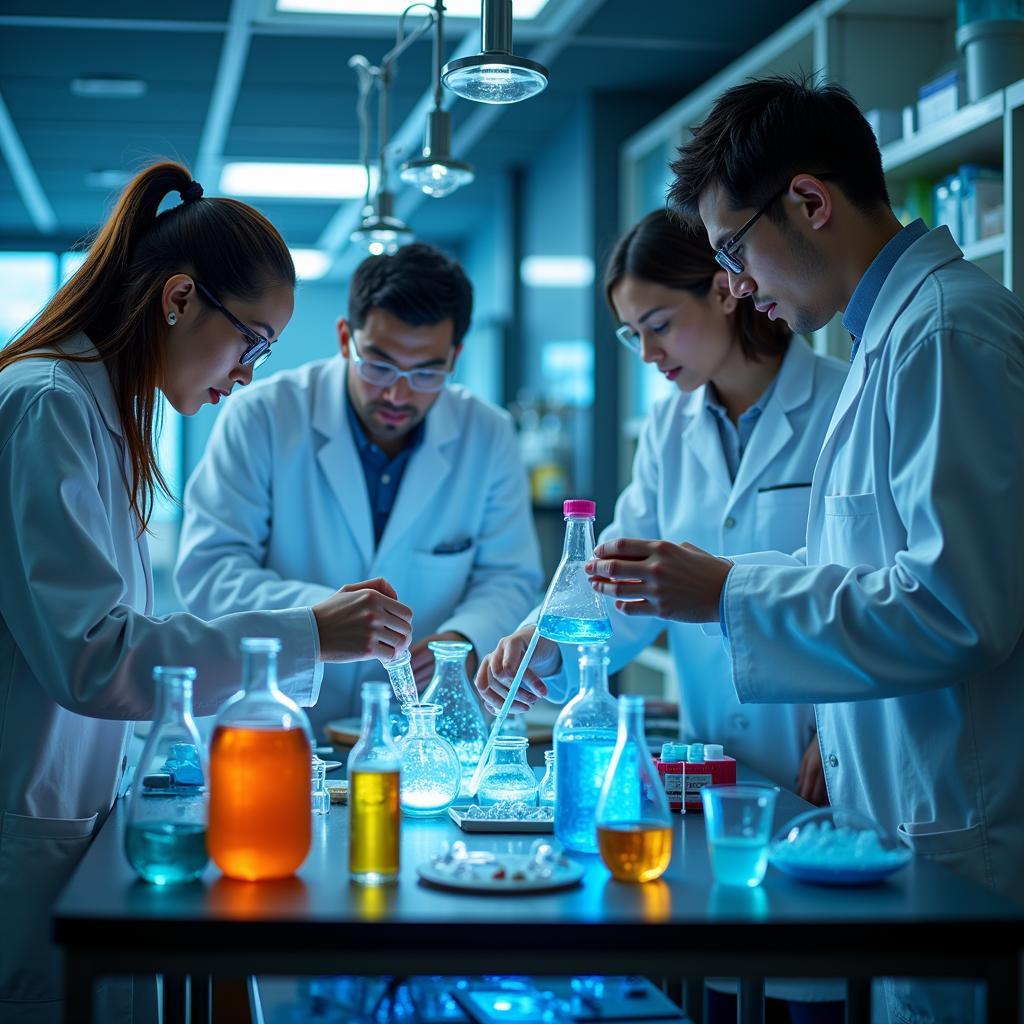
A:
457, 814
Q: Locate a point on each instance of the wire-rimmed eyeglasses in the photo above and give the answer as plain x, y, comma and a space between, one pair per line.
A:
384, 375
257, 351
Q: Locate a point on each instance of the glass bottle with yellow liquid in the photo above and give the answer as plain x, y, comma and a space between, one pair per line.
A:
374, 816
260, 793
634, 827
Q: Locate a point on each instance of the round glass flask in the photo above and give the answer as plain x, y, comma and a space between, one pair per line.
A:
260, 790
165, 839
431, 773
460, 722
507, 775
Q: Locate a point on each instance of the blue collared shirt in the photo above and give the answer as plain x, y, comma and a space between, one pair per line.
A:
736, 436
858, 309
382, 473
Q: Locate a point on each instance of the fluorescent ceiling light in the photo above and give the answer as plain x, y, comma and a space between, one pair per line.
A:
108, 179
525, 10
293, 180
108, 87
310, 264
557, 271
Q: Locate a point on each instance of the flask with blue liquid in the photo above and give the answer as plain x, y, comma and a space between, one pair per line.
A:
585, 734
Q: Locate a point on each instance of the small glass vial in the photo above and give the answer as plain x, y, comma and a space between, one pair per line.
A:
431, 773
546, 793
403, 682
374, 816
321, 799
165, 840
508, 776
634, 828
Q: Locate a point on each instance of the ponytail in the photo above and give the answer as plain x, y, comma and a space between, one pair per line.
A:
115, 297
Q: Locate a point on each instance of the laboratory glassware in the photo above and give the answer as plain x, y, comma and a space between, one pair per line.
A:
738, 822
571, 611
403, 682
584, 739
165, 838
634, 826
460, 722
374, 816
260, 791
546, 791
321, 798
431, 773
508, 776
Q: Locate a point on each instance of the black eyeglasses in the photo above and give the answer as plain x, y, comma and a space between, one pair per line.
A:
257, 352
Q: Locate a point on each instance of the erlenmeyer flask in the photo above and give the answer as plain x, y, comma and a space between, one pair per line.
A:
573, 612
460, 721
584, 739
165, 840
634, 828
260, 789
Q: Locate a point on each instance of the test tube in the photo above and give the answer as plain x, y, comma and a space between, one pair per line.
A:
403, 682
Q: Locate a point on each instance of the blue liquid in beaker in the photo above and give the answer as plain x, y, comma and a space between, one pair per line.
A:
167, 852
739, 860
582, 758
574, 631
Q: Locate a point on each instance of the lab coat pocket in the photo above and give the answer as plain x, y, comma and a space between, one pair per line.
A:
961, 849
781, 523
37, 857
851, 534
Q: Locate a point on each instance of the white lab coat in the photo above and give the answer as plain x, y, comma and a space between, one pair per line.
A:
277, 514
77, 648
905, 626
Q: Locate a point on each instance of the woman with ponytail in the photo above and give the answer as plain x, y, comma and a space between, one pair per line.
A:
186, 302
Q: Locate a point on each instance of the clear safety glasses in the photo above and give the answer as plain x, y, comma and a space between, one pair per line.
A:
383, 375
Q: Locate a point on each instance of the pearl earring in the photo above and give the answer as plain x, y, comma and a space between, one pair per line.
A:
172, 318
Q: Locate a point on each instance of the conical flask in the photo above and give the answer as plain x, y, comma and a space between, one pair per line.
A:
260, 787
460, 722
634, 828
573, 612
165, 840
584, 739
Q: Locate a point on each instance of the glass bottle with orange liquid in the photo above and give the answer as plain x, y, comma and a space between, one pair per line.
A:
260, 799
634, 827
374, 816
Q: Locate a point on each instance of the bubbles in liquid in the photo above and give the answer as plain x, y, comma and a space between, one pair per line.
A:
574, 631
582, 758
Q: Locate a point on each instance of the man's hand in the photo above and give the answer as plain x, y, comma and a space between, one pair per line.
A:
657, 577
811, 780
361, 621
423, 658
498, 669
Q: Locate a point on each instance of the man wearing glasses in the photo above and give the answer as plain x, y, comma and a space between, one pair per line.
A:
367, 465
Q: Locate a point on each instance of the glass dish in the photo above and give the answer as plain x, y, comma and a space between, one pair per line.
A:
830, 846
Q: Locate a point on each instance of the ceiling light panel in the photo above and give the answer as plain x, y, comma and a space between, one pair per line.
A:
525, 10
293, 180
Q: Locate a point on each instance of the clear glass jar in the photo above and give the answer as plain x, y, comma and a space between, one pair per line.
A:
546, 791
165, 839
507, 775
584, 738
320, 798
260, 757
431, 773
461, 722
374, 816
634, 828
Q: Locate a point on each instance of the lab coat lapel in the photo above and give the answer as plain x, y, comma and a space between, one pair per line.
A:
424, 476
701, 437
339, 459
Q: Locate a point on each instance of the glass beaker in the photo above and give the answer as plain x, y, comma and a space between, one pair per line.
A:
546, 791
573, 613
374, 817
738, 824
165, 839
260, 757
634, 827
460, 722
584, 739
431, 773
507, 775
403, 682
320, 797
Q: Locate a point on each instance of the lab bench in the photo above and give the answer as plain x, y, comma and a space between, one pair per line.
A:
922, 921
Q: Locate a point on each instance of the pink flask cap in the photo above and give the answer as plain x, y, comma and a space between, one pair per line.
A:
579, 507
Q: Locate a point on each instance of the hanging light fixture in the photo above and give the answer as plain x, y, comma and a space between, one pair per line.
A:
434, 172
381, 232
495, 75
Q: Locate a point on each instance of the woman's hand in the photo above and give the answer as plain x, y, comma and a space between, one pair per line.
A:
657, 577
361, 621
498, 669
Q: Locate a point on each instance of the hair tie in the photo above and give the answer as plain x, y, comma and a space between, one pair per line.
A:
191, 192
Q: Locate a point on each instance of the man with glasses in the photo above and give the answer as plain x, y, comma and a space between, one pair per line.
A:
369, 464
